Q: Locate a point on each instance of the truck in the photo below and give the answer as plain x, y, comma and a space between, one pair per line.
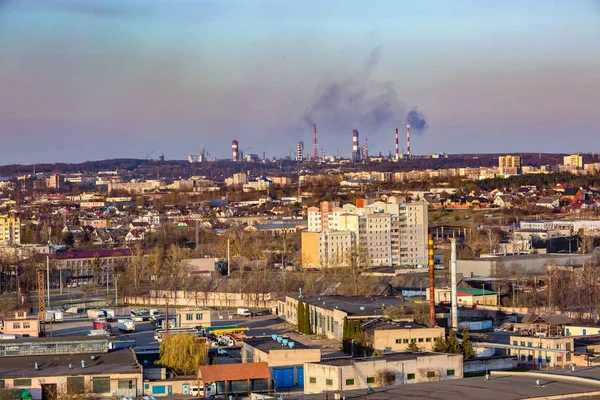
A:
54, 316
140, 315
101, 324
94, 315
109, 314
244, 312
207, 391
126, 325
98, 332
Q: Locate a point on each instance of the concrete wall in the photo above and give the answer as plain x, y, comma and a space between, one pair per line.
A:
387, 339
476, 365
204, 299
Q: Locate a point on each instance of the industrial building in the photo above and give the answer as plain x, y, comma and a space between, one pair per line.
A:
343, 374
530, 263
284, 357
48, 368
389, 336
328, 312
381, 234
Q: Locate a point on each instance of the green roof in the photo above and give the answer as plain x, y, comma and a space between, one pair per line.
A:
475, 292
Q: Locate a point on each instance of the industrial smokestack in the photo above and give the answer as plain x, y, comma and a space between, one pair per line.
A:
234, 150
454, 294
432, 321
408, 153
397, 153
315, 146
300, 152
355, 150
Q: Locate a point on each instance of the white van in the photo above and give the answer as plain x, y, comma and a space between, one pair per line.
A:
244, 312
211, 391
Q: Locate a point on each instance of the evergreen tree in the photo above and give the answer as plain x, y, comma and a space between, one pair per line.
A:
467, 346
300, 316
441, 345
413, 348
453, 343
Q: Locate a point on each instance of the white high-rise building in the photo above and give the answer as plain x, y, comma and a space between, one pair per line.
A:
385, 234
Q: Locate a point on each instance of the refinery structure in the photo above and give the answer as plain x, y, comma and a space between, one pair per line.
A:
359, 153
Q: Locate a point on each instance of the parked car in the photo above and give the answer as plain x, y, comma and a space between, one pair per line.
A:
148, 398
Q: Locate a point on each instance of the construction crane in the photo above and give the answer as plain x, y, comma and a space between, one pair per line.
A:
41, 283
149, 154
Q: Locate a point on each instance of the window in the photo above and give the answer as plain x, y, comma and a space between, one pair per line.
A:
329, 382
529, 344
370, 379
349, 382
421, 340
450, 372
428, 340
410, 376
398, 341
199, 317
2, 384
404, 340
26, 325
189, 317
16, 325
413, 340
21, 314
312, 380
515, 343
75, 385
431, 374
125, 384
22, 382
101, 384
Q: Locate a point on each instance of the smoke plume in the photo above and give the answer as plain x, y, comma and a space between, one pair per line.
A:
361, 102
356, 102
416, 120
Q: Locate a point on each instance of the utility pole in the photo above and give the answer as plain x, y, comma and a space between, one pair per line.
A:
228, 258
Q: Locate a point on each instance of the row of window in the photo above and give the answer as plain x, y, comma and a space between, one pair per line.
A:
419, 340
190, 317
17, 325
371, 379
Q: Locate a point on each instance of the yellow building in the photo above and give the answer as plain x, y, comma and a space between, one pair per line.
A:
542, 351
310, 250
194, 317
509, 165
10, 230
573, 160
466, 297
387, 336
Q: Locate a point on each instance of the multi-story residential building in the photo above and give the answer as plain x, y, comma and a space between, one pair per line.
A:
53, 181
573, 160
542, 352
383, 234
509, 165
237, 179
257, 184
10, 230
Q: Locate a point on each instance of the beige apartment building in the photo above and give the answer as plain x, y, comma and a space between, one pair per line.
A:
10, 230
390, 369
22, 325
573, 160
542, 351
382, 233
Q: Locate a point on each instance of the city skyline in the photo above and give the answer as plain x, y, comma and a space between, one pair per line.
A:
119, 79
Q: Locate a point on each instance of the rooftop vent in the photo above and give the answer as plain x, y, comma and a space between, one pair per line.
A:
285, 342
274, 337
82, 363
36, 365
70, 366
291, 344
362, 308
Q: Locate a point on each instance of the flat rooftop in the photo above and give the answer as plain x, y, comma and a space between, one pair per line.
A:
512, 386
121, 361
266, 344
345, 361
384, 324
355, 305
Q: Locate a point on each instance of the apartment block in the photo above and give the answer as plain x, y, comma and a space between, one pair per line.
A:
10, 230
383, 234
509, 165
573, 160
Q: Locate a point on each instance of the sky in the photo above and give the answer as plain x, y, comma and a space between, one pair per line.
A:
97, 79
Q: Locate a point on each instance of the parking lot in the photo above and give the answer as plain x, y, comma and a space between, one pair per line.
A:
79, 325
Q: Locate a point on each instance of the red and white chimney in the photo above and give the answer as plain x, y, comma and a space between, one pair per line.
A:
234, 150
355, 150
397, 149
408, 153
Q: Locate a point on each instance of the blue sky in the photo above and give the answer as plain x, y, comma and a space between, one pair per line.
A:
93, 79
